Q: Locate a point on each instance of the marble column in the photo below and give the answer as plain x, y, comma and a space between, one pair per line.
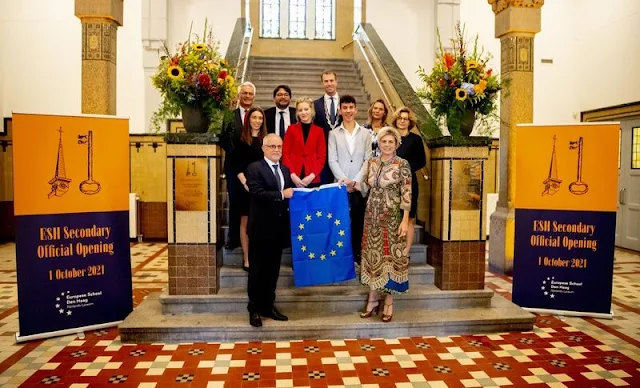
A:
516, 23
100, 20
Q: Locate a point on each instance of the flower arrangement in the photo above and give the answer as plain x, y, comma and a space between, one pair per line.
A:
195, 80
461, 87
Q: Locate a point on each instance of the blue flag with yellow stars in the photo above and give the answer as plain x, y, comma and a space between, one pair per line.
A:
321, 236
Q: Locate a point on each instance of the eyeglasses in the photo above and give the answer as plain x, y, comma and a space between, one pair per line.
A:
403, 118
282, 95
274, 147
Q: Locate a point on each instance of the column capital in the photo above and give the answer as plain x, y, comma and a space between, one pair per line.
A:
500, 5
105, 9
517, 19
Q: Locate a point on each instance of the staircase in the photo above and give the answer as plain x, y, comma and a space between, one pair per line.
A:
303, 77
321, 312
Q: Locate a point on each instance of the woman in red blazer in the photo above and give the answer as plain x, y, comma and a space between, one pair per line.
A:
304, 149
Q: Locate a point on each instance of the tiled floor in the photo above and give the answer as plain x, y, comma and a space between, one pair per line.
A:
560, 352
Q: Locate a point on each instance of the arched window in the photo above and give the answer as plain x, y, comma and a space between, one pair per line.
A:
270, 18
288, 19
297, 18
325, 17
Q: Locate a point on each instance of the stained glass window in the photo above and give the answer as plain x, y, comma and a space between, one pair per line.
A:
325, 12
297, 18
635, 147
270, 18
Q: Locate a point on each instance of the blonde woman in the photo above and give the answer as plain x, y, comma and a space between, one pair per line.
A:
412, 150
385, 260
304, 150
378, 113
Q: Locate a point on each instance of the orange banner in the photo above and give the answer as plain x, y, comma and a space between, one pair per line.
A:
73, 164
567, 167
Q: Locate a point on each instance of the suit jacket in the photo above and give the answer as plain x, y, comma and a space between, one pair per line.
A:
343, 163
231, 131
268, 211
321, 121
270, 116
312, 154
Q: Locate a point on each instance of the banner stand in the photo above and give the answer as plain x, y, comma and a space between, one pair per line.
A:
569, 313
59, 333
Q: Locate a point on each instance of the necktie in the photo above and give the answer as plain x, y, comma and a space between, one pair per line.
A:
332, 113
275, 171
244, 118
281, 124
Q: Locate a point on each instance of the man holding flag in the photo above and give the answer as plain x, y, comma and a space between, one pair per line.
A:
270, 186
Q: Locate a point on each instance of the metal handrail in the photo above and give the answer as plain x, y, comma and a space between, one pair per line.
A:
243, 57
375, 75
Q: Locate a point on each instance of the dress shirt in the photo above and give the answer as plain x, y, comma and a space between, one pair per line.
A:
271, 164
351, 137
287, 120
242, 114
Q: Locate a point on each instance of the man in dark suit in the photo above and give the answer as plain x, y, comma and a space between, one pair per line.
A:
246, 94
282, 115
271, 187
327, 115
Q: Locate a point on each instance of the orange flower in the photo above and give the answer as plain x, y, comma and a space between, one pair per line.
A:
448, 60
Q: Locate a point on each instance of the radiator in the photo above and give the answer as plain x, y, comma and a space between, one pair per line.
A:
133, 215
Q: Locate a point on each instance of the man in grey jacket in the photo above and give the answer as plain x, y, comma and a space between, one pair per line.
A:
349, 148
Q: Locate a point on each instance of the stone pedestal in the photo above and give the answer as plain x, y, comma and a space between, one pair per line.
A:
516, 24
100, 21
193, 214
457, 223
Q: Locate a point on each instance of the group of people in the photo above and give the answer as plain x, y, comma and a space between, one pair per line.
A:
316, 142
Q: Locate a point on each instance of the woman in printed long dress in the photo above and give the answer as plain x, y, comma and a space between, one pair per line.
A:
385, 255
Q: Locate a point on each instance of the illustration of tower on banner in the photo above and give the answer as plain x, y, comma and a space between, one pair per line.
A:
59, 183
552, 183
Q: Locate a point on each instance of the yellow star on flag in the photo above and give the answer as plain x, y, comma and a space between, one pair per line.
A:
341, 233
304, 248
333, 252
339, 244
308, 217
301, 226
299, 237
312, 255
323, 256
329, 216
337, 222
318, 213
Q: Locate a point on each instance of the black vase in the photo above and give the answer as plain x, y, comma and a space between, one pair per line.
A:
466, 124
194, 119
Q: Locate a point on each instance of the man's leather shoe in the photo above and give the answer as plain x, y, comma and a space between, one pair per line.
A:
255, 320
275, 315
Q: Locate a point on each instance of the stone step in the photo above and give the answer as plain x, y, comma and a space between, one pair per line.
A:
418, 255
330, 299
343, 86
311, 73
147, 324
313, 93
318, 67
300, 61
287, 78
232, 276
417, 237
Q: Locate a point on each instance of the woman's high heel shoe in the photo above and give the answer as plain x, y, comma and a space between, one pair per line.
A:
385, 317
375, 309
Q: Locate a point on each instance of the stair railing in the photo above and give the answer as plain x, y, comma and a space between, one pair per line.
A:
245, 50
382, 80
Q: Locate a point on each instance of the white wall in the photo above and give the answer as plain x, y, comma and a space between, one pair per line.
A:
404, 27
40, 53
595, 49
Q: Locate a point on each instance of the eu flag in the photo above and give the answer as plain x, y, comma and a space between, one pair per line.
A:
321, 236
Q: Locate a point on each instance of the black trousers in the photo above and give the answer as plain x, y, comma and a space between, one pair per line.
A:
265, 256
357, 206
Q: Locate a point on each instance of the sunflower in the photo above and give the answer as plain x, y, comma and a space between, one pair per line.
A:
199, 46
471, 64
461, 94
175, 72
